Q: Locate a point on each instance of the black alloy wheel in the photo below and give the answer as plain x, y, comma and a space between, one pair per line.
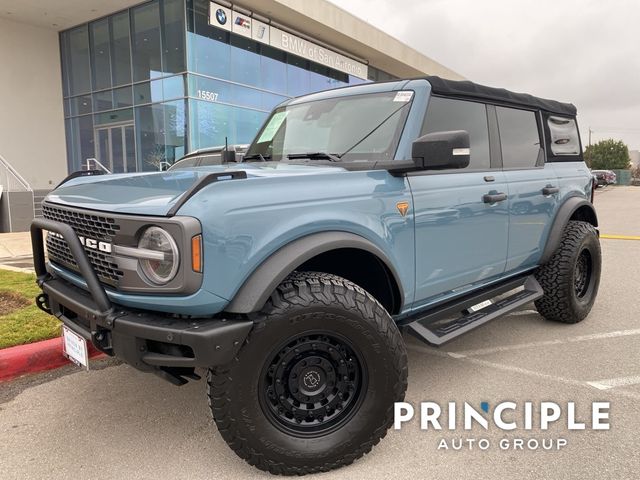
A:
313, 384
583, 273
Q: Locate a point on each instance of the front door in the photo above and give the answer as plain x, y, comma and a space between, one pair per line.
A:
116, 147
461, 215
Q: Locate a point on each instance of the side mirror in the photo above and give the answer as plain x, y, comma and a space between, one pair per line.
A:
441, 150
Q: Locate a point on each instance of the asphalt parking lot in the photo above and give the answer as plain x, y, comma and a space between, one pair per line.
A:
114, 422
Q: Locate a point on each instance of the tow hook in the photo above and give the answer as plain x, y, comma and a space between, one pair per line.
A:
42, 301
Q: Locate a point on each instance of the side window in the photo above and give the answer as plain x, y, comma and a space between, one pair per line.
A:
446, 114
519, 138
563, 136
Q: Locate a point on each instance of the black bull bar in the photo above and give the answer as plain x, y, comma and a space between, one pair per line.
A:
148, 340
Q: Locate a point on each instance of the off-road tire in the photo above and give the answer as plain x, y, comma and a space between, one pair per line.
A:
310, 302
563, 300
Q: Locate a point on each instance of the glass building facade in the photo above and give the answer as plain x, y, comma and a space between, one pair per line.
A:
146, 85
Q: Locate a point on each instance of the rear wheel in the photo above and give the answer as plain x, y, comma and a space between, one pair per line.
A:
314, 386
571, 278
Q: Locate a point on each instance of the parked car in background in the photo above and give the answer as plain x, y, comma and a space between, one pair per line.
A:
210, 156
604, 177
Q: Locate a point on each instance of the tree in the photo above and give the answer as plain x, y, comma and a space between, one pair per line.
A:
607, 155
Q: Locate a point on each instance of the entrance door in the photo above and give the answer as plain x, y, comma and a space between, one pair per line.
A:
116, 147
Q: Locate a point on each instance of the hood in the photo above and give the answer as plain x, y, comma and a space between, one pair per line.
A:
155, 193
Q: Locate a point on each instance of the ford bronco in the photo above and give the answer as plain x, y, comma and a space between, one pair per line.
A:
426, 205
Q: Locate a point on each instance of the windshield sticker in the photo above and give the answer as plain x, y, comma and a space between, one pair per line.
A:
272, 127
403, 96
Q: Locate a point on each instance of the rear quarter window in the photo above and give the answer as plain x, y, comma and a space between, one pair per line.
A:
563, 136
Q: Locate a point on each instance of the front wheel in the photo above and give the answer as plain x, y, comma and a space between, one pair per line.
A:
314, 386
571, 278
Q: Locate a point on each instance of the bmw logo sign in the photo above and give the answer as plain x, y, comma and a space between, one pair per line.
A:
221, 16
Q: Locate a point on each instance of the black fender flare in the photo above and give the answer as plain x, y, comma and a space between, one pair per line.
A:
565, 212
257, 289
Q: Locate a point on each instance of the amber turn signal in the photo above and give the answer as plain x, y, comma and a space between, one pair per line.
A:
196, 253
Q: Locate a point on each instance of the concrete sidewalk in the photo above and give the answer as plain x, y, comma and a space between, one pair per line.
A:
15, 251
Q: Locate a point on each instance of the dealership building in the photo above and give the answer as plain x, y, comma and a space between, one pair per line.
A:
126, 86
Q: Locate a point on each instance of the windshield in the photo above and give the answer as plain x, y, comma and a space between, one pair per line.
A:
360, 127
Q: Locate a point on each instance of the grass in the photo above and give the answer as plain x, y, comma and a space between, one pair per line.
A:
26, 324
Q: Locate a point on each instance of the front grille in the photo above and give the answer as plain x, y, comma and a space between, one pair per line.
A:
85, 224
88, 225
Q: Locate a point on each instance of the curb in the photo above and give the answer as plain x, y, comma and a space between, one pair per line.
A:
11, 268
35, 357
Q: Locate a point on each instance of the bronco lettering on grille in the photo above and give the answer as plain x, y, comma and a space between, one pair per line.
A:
95, 244
91, 243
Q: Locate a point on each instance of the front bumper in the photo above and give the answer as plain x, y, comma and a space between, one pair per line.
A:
149, 341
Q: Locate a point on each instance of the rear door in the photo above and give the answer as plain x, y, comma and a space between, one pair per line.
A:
532, 185
461, 240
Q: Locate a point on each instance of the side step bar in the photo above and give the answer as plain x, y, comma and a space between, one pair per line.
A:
452, 319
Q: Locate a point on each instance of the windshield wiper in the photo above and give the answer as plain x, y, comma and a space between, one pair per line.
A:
256, 156
315, 156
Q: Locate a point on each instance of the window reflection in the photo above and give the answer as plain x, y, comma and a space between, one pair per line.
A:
161, 138
75, 44
297, 76
128, 71
122, 97
100, 54
245, 61
80, 105
173, 36
146, 41
211, 124
273, 69
102, 101
120, 50
79, 141
173, 87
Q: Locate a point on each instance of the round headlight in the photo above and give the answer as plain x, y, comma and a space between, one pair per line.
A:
162, 269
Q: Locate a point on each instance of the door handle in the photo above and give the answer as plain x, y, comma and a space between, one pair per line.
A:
550, 190
494, 197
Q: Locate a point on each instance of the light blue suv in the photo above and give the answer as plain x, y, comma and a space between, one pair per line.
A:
424, 205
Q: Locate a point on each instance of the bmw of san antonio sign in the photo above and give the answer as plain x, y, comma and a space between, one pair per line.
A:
245, 25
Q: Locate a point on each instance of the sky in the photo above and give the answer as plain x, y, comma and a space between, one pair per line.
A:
586, 52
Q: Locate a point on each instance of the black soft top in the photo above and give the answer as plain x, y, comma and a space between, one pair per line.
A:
467, 89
